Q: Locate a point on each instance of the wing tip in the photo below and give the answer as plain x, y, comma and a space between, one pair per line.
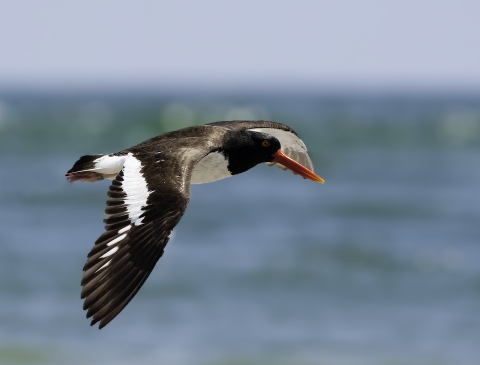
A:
102, 322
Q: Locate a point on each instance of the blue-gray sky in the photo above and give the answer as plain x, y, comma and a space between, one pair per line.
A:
345, 43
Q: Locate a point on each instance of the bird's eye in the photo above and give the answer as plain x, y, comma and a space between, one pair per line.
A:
265, 143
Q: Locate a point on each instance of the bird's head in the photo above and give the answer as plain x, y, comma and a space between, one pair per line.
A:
245, 149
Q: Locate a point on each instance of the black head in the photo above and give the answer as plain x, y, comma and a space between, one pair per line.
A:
245, 149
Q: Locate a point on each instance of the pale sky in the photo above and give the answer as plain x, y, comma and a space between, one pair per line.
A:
365, 43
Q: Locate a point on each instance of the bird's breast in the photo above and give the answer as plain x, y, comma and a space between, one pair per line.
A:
212, 167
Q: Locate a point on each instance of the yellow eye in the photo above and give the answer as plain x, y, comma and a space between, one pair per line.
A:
265, 143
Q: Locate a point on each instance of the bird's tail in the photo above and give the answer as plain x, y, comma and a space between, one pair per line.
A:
84, 169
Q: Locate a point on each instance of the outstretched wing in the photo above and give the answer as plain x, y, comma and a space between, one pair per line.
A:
291, 144
145, 202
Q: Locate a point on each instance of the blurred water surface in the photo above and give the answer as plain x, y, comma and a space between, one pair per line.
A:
380, 265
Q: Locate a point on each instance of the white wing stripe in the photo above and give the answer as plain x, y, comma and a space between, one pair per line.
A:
110, 253
124, 229
135, 187
118, 239
108, 262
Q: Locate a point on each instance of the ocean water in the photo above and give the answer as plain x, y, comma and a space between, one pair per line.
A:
380, 265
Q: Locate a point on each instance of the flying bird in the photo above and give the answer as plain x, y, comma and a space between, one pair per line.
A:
150, 191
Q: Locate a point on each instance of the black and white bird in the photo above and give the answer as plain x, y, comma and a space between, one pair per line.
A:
151, 189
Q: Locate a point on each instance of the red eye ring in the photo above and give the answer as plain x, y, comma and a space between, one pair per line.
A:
265, 143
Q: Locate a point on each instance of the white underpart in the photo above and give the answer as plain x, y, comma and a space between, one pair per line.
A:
108, 166
292, 146
212, 167
118, 239
110, 253
135, 187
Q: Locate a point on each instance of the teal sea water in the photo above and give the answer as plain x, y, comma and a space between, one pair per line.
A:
380, 265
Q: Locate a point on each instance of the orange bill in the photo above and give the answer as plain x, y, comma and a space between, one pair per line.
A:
283, 159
